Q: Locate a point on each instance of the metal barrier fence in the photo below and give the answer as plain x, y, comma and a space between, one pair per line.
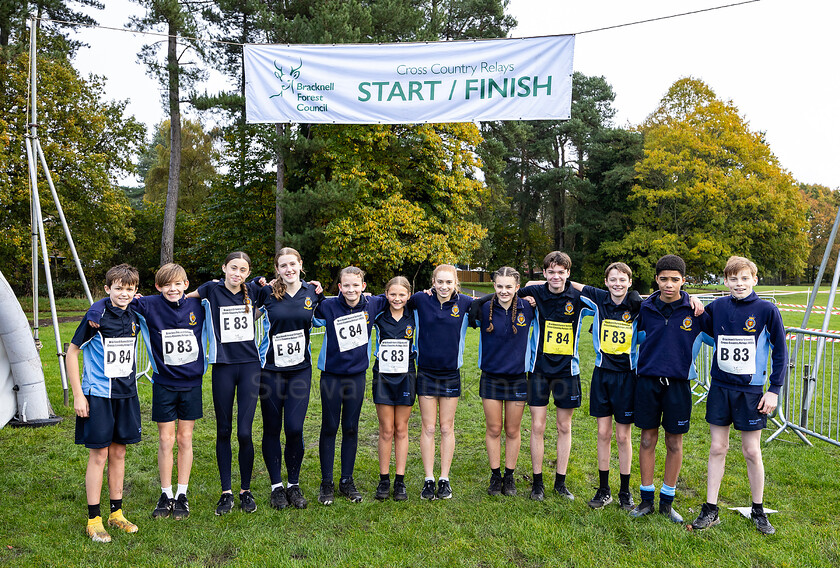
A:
810, 399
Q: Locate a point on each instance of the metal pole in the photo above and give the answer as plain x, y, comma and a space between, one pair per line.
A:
78, 262
31, 141
33, 180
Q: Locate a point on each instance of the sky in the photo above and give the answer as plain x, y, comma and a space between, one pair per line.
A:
774, 59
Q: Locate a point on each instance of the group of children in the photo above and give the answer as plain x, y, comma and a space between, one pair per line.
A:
528, 354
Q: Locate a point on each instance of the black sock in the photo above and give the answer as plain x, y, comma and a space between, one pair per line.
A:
538, 479
625, 482
399, 478
758, 508
93, 511
385, 477
116, 505
508, 472
559, 479
712, 507
604, 479
496, 472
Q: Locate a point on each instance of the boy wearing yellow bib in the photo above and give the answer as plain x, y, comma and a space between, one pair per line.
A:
557, 372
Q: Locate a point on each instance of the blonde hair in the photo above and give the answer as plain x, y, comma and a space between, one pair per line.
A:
447, 268
621, 267
398, 281
242, 256
354, 270
278, 289
736, 264
170, 272
505, 271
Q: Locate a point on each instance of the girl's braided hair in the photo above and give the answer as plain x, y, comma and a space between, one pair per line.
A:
505, 271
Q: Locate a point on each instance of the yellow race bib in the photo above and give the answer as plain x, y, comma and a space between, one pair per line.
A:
559, 338
616, 337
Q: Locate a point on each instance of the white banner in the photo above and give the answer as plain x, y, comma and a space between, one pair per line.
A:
460, 81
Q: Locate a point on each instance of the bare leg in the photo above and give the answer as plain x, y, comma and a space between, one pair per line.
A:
673, 458
493, 430
513, 434
428, 418
647, 454
166, 434
448, 405
564, 438
97, 458
751, 448
625, 448
401, 416
538, 418
116, 470
185, 450
717, 461
385, 413
604, 444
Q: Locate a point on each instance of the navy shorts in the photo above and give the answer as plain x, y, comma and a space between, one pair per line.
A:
109, 421
727, 406
503, 387
565, 390
663, 401
432, 382
169, 405
394, 390
612, 394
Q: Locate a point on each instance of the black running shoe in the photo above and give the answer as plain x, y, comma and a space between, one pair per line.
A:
643, 508
181, 507
625, 500
708, 517
495, 487
295, 497
225, 504
278, 499
668, 509
400, 491
428, 492
444, 491
563, 491
163, 508
509, 486
383, 490
348, 489
246, 502
538, 492
602, 498
326, 495
761, 522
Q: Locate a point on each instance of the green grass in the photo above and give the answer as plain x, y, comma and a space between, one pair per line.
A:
43, 502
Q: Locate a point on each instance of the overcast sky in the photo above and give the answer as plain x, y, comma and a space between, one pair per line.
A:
775, 59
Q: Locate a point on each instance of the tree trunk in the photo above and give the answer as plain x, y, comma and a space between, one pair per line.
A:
167, 244
281, 187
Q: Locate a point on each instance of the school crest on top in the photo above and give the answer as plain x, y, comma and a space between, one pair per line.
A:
625, 316
520, 320
455, 311
307, 303
749, 325
133, 328
686, 323
409, 331
193, 321
570, 308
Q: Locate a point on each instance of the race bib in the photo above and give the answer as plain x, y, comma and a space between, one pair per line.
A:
119, 356
616, 337
351, 331
394, 355
736, 354
237, 324
289, 348
559, 338
179, 346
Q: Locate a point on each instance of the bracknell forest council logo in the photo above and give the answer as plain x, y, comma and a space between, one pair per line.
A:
287, 80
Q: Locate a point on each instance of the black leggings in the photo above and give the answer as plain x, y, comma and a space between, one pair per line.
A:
341, 401
243, 380
284, 398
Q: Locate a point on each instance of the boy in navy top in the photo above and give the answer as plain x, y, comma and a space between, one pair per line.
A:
669, 339
105, 399
745, 329
557, 370
173, 327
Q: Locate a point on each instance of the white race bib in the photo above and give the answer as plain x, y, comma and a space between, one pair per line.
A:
179, 346
351, 331
119, 356
289, 348
394, 355
736, 354
237, 323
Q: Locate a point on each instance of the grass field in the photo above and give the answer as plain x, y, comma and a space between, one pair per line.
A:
43, 504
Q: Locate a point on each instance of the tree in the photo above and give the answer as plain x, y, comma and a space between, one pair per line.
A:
823, 204
180, 20
708, 187
197, 171
14, 15
88, 144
